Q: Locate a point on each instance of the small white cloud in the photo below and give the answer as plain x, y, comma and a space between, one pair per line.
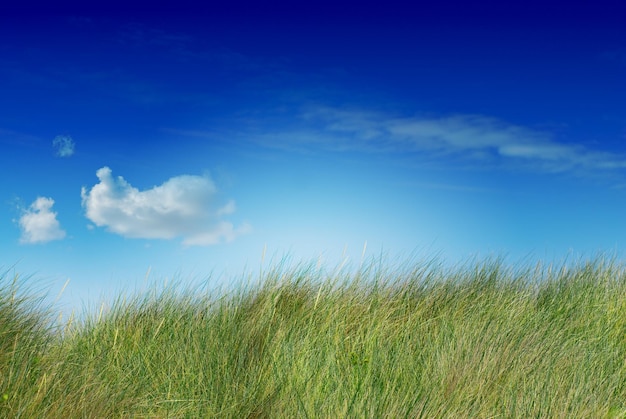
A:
39, 223
64, 145
180, 207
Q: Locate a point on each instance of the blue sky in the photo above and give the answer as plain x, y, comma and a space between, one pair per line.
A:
186, 143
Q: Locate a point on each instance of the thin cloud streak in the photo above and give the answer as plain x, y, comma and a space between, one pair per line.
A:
481, 139
10, 137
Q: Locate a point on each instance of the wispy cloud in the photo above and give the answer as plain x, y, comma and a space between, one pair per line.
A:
472, 138
183, 206
39, 223
17, 138
64, 145
142, 36
180, 46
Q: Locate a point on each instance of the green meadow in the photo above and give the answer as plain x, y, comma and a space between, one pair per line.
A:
416, 340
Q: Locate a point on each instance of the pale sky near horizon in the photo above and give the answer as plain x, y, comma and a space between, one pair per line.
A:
186, 143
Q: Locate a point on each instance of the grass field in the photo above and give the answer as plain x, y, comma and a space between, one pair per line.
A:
481, 340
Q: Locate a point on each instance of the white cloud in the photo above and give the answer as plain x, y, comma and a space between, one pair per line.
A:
180, 207
39, 223
64, 145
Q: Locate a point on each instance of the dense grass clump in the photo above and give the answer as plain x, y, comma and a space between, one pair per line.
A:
25, 335
482, 340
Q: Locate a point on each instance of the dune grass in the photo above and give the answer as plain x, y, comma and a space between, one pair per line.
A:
481, 340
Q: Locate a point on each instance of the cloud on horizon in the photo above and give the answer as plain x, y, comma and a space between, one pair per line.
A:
39, 223
181, 207
64, 145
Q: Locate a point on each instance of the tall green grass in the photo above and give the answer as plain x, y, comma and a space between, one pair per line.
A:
418, 340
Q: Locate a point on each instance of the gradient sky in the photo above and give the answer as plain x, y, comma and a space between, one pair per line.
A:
185, 143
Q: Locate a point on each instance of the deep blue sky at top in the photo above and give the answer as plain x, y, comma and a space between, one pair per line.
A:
461, 129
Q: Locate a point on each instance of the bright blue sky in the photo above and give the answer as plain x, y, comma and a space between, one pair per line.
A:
185, 143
